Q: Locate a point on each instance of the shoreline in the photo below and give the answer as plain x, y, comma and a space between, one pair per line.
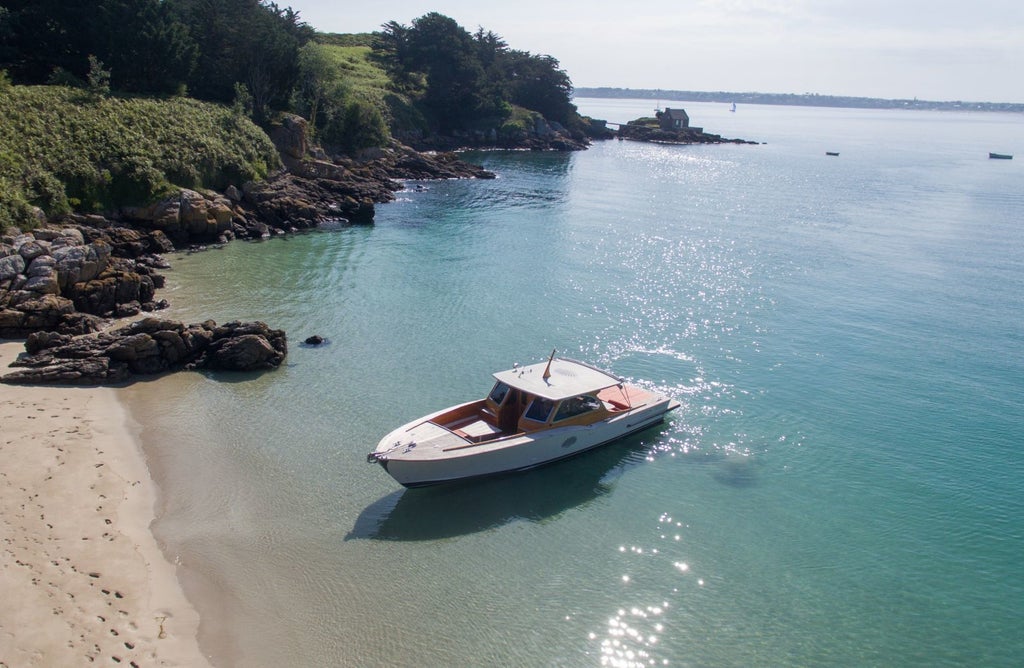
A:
78, 556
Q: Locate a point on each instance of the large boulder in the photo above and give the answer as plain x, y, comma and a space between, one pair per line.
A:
247, 352
75, 264
30, 250
289, 137
122, 283
42, 276
59, 236
85, 371
11, 266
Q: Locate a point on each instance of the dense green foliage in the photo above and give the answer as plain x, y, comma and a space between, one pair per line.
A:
63, 149
461, 78
158, 46
248, 41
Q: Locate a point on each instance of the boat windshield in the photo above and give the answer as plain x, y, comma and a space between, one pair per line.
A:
539, 410
498, 393
576, 406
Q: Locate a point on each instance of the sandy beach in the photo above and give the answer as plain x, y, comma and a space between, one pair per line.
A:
81, 575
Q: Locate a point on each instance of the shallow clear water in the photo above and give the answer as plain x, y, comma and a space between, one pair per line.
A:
843, 484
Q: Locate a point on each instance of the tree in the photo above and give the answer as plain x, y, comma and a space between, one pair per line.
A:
364, 127
41, 39
249, 41
145, 48
490, 47
468, 78
492, 51
273, 63
316, 72
538, 83
392, 49
98, 79
442, 55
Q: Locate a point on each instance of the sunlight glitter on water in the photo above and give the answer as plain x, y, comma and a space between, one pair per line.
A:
633, 635
627, 645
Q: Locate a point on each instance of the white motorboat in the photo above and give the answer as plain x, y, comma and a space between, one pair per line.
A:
534, 415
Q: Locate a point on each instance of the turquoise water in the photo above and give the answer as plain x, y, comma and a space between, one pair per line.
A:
842, 486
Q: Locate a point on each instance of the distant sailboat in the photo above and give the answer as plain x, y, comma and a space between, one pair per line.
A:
733, 107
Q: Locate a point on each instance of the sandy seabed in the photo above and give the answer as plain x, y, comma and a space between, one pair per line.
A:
82, 579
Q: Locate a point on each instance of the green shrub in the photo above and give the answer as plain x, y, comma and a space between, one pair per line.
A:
61, 77
64, 150
98, 79
45, 190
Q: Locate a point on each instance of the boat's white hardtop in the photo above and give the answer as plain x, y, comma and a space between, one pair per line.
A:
568, 379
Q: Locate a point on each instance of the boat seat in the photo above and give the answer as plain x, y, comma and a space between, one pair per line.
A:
624, 398
477, 431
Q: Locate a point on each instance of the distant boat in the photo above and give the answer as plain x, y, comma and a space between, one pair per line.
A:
1000, 156
733, 107
831, 152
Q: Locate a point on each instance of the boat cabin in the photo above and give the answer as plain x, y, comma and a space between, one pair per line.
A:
560, 393
516, 410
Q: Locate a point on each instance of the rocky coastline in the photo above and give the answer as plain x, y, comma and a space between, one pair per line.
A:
64, 284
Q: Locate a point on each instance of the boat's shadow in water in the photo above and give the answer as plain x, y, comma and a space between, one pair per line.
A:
452, 510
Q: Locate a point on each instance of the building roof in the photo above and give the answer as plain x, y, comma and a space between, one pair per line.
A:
676, 113
568, 378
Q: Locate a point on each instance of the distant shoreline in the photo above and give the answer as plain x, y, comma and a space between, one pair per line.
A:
805, 100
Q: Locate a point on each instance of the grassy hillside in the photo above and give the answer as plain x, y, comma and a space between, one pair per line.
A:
355, 67
63, 150
360, 79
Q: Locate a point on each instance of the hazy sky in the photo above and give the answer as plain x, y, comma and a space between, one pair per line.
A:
929, 49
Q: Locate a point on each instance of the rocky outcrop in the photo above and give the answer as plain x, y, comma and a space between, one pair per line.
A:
531, 132
639, 131
314, 189
290, 138
318, 193
68, 278
148, 346
317, 190
186, 216
404, 163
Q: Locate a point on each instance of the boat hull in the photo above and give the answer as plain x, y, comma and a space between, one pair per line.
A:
420, 467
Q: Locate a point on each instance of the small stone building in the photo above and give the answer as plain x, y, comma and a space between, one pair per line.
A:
674, 119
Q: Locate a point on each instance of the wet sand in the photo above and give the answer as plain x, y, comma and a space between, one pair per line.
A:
81, 576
